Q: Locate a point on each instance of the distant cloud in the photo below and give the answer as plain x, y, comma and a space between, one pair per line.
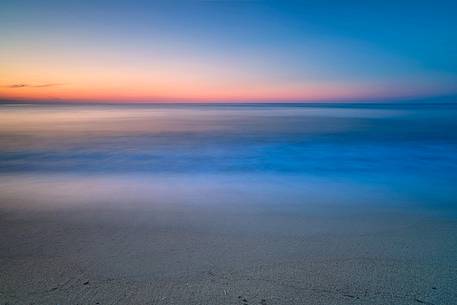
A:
15, 86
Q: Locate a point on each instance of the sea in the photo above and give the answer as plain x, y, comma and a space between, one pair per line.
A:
400, 156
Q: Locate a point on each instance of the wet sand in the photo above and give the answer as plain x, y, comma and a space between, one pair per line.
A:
186, 249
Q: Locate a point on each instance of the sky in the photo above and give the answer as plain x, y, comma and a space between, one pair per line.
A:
222, 51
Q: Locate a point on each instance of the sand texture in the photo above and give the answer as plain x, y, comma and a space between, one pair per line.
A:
224, 257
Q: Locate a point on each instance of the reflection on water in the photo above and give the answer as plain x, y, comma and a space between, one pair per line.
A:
406, 149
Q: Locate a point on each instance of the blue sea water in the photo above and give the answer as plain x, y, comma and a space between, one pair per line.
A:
408, 150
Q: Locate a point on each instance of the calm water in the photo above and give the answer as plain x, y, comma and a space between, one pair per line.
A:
394, 155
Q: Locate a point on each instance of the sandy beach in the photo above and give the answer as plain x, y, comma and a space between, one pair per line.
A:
186, 248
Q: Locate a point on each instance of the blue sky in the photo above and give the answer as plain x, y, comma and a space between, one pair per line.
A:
260, 50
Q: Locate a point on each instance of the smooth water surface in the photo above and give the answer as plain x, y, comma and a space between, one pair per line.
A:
407, 150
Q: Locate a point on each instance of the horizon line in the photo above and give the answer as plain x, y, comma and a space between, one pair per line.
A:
443, 98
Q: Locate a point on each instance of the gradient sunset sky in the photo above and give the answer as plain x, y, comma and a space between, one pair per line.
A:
137, 51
